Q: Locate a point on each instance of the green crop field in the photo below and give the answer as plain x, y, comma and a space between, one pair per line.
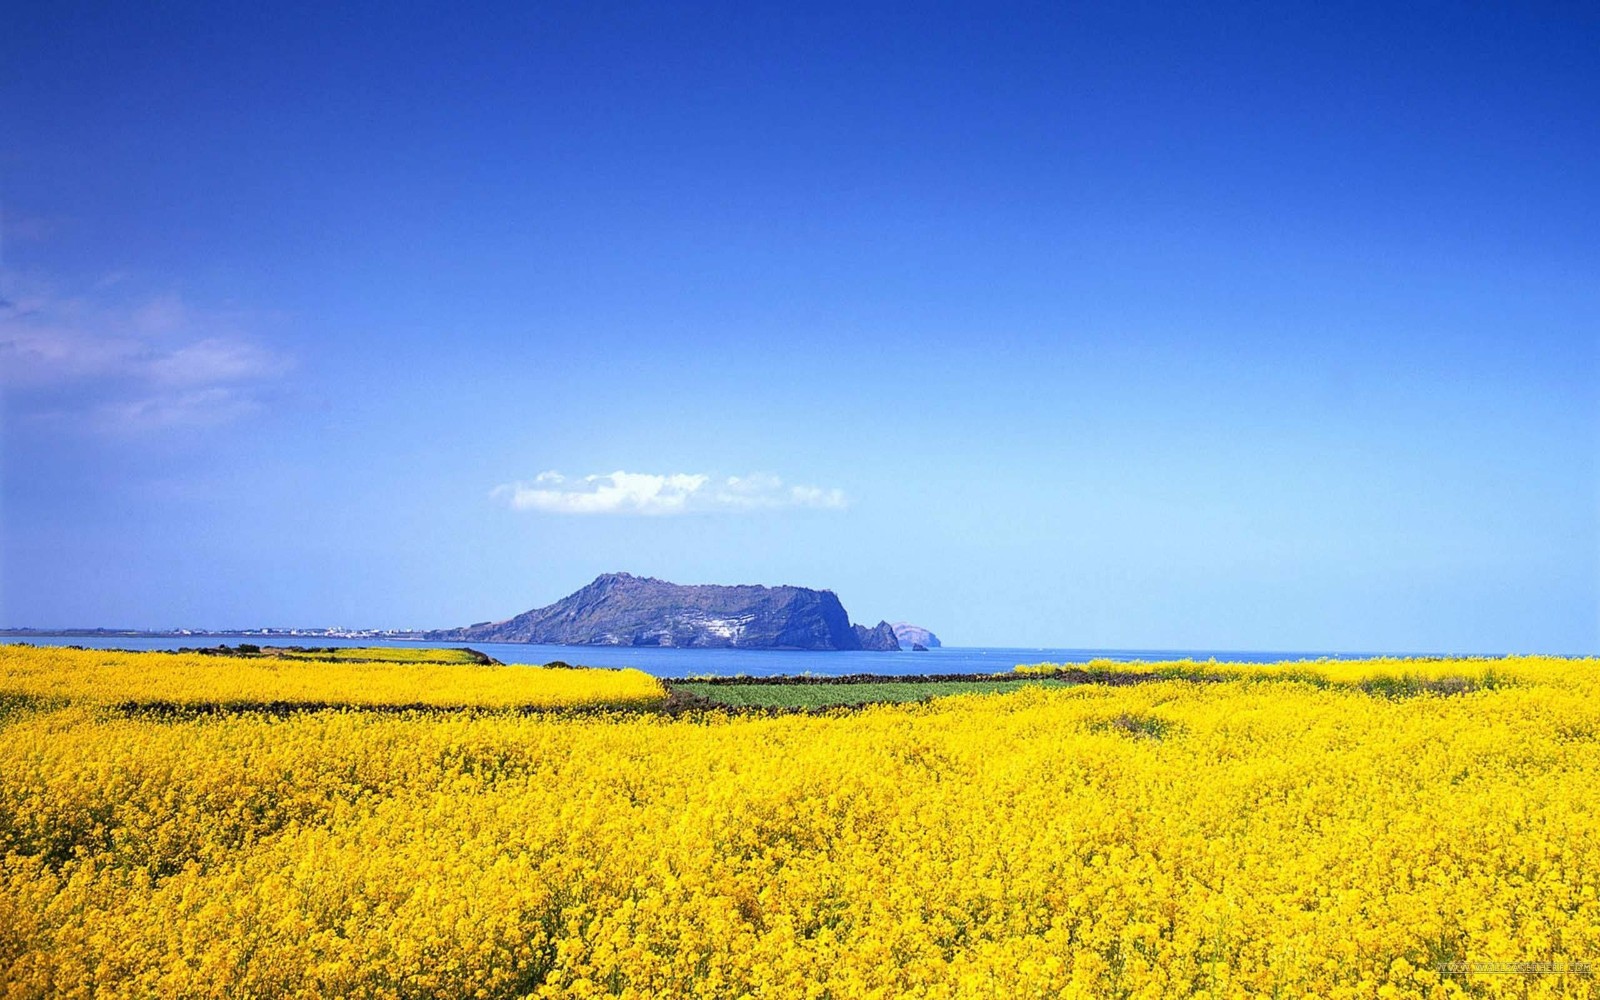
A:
826, 695
381, 654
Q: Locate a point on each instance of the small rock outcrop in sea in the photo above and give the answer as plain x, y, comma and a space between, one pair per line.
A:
915, 635
917, 647
619, 609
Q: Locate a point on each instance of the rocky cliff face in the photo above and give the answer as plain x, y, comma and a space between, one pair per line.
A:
880, 637
915, 635
619, 609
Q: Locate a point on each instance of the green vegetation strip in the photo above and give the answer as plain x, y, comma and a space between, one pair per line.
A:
350, 654
770, 695
388, 654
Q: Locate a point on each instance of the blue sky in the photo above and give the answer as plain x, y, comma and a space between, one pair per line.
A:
1239, 327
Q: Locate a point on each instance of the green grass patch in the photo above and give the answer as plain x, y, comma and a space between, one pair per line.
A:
803, 695
1135, 726
390, 654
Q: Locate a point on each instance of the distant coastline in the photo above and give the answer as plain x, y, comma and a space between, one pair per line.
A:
406, 635
615, 610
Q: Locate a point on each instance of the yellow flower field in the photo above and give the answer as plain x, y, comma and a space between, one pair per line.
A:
54, 673
1268, 837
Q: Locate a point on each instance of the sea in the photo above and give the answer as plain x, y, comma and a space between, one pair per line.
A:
681, 663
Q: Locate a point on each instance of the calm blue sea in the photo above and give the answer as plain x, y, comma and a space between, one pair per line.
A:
733, 662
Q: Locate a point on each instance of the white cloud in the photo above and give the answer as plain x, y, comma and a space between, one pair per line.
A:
647, 493
110, 361
195, 408
213, 361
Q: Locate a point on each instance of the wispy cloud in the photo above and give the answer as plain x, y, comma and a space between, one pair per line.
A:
651, 494
107, 360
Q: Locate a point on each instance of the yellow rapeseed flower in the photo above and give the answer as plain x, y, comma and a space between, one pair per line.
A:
1227, 836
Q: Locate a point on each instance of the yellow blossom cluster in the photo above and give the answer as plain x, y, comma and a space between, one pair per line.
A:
59, 674
1234, 838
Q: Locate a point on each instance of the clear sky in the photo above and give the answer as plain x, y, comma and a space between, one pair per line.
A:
1258, 326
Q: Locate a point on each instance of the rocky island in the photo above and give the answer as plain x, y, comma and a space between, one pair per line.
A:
619, 609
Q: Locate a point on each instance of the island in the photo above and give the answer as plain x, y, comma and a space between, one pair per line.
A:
620, 609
